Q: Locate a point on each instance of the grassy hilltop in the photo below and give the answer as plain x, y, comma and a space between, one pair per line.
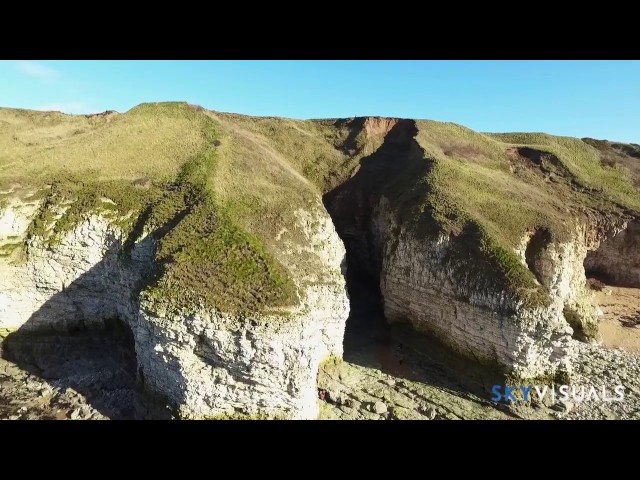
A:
218, 189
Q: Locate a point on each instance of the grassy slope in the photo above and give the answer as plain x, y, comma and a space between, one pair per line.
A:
272, 167
217, 189
474, 173
480, 188
157, 165
149, 141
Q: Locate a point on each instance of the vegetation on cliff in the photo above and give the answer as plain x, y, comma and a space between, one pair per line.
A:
221, 192
153, 169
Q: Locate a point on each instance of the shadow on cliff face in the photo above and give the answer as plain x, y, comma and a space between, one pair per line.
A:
398, 350
82, 337
616, 261
352, 205
370, 341
98, 363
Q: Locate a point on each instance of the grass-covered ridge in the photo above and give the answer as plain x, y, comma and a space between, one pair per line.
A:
492, 190
222, 192
149, 141
489, 193
205, 257
585, 163
499, 181
156, 172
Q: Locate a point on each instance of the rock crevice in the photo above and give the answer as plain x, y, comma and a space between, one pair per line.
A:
428, 278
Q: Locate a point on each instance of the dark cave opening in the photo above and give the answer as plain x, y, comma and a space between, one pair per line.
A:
533, 254
353, 207
395, 349
366, 321
97, 362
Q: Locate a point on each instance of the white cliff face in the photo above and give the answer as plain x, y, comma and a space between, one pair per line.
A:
212, 364
482, 322
204, 362
80, 281
488, 324
559, 267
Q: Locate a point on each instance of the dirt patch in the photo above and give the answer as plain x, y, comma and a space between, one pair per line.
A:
460, 148
106, 114
549, 164
378, 126
620, 324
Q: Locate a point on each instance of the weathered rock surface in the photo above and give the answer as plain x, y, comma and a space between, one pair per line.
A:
85, 376
418, 383
205, 363
483, 323
476, 239
443, 284
421, 286
609, 368
617, 259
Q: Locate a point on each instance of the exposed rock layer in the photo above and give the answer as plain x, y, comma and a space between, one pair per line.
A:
434, 282
617, 259
203, 362
476, 239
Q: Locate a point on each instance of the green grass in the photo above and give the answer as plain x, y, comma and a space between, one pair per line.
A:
119, 199
223, 265
151, 140
463, 187
466, 185
307, 147
220, 193
269, 168
583, 161
203, 255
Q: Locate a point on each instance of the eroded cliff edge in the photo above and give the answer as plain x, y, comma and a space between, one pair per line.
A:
204, 362
213, 237
484, 244
224, 323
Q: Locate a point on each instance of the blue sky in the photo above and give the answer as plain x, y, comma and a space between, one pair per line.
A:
600, 99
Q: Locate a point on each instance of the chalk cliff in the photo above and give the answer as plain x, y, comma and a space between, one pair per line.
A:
222, 240
204, 362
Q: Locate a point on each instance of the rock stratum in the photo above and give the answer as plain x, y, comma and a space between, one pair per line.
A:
221, 242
